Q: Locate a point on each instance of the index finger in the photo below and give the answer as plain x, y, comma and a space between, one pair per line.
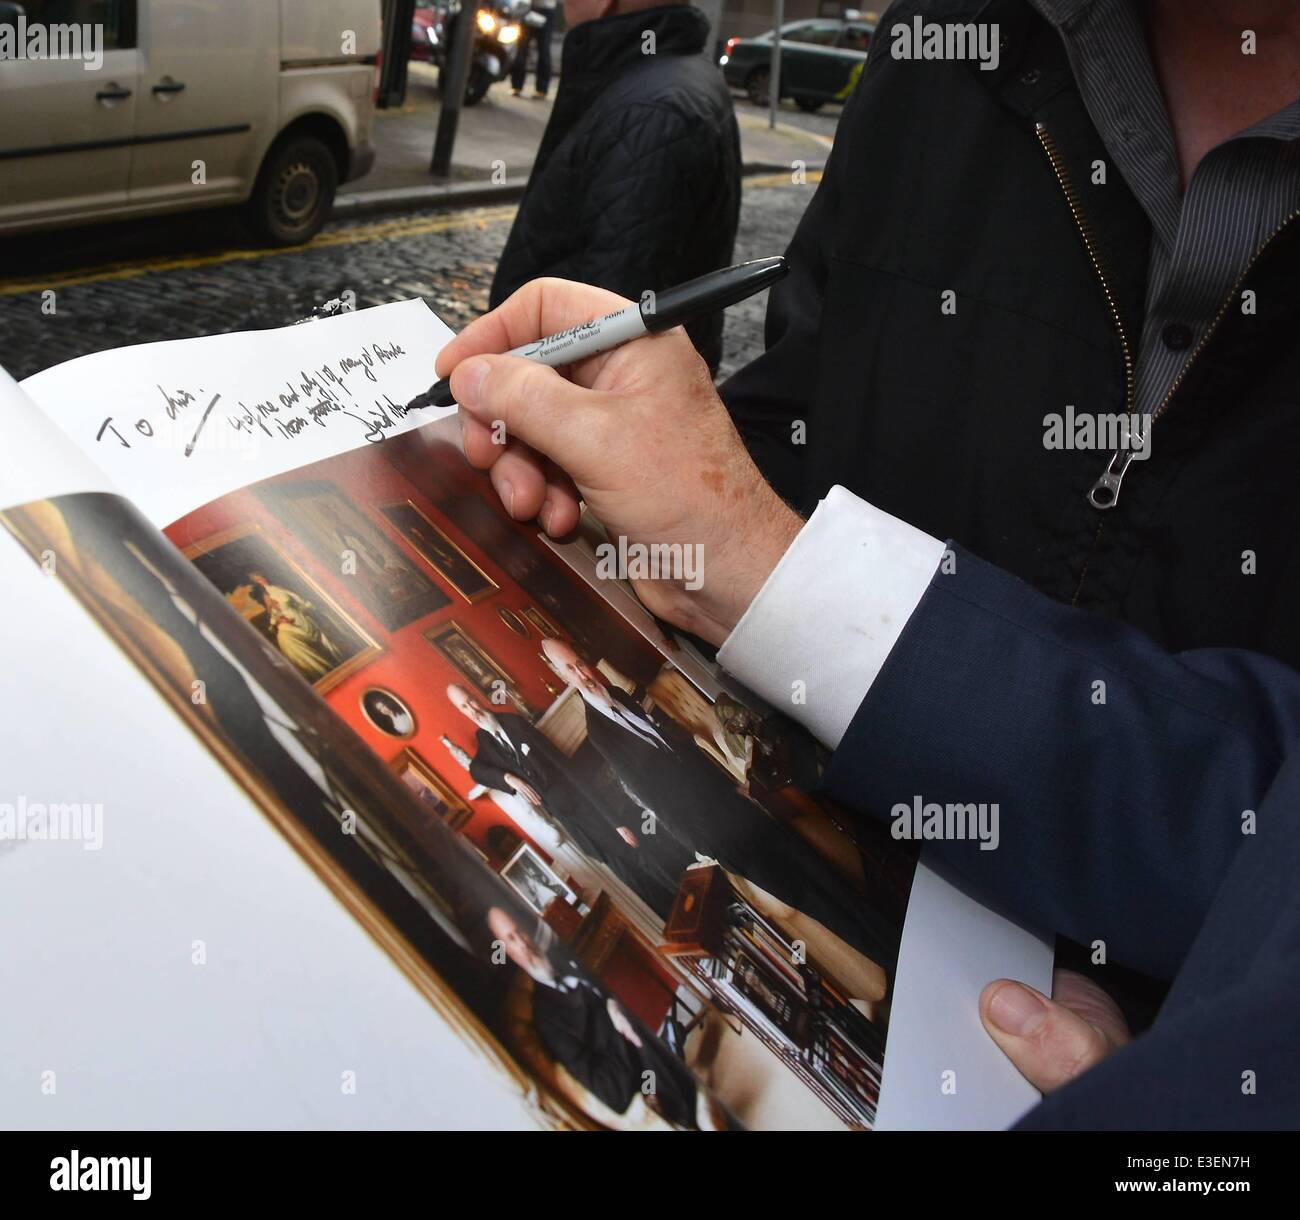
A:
540, 308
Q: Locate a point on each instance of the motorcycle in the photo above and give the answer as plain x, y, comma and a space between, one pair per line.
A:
496, 42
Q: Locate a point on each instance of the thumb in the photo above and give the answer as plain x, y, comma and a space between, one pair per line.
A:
1049, 1044
534, 404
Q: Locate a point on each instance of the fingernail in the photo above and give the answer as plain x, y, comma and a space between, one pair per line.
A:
507, 493
1016, 1010
545, 516
469, 377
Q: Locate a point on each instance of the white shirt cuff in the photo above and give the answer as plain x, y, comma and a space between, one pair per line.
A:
820, 629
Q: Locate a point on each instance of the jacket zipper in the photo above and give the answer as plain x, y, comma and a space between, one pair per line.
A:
1104, 493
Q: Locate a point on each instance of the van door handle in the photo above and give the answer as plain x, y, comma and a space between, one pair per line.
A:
114, 93
168, 86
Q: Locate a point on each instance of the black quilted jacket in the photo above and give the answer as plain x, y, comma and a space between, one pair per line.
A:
637, 182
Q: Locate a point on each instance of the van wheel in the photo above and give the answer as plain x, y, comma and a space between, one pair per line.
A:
294, 192
809, 105
758, 87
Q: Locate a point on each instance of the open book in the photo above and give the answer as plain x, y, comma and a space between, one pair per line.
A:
332, 796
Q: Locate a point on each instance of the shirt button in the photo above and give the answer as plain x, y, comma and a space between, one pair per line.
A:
1177, 337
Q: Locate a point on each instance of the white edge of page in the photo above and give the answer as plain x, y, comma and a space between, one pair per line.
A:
942, 1070
37, 461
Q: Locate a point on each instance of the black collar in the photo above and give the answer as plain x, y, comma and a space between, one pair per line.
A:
595, 49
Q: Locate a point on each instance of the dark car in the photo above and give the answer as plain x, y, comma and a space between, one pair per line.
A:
821, 61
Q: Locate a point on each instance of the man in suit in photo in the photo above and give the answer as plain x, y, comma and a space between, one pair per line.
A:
587, 1032
659, 763
512, 756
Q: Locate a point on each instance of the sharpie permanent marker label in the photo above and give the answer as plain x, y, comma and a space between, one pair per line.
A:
587, 338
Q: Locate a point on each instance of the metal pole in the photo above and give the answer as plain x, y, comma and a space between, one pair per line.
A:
774, 83
397, 18
458, 57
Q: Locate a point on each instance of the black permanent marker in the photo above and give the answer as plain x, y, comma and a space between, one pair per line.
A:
658, 311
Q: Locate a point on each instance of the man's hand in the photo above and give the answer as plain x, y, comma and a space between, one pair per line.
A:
527, 791
1053, 1041
639, 433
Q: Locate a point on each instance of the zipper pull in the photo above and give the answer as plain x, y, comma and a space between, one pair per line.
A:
1104, 493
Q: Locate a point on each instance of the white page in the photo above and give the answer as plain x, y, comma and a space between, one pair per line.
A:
99, 982
323, 387
952, 948
37, 460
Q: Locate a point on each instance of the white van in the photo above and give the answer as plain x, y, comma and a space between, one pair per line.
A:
112, 109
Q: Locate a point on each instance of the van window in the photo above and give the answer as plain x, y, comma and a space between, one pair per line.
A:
116, 18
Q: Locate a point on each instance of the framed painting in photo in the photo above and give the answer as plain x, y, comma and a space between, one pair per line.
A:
513, 621
277, 597
470, 658
545, 628
387, 712
438, 796
384, 578
443, 555
535, 881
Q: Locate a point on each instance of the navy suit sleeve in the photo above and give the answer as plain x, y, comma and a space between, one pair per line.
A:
1121, 773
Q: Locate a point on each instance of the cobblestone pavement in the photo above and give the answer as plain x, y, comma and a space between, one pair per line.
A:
168, 290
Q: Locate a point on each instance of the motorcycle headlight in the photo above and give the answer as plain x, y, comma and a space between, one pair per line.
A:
509, 34
486, 21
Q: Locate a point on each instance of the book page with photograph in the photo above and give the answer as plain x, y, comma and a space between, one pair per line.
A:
656, 827
381, 843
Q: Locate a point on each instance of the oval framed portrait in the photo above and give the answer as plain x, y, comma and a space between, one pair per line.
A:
388, 712
513, 621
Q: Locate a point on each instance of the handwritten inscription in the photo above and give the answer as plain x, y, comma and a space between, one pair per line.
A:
313, 398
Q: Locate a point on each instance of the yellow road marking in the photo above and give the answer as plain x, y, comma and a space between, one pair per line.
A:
813, 176
378, 231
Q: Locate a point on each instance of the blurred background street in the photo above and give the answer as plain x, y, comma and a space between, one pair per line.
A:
395, 232
168, 290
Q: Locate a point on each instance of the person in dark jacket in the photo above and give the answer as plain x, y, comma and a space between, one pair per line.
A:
538, 28
588, 1032
636, 185
513, 756
1091, 272
658, 762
